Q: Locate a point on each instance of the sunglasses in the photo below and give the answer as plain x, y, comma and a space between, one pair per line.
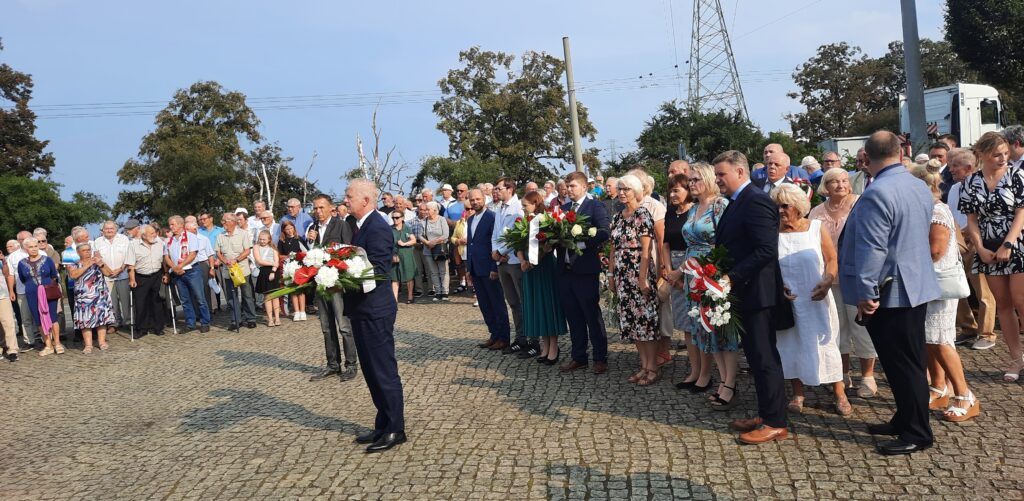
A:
784, 206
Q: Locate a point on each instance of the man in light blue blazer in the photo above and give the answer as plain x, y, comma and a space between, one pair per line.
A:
885, 268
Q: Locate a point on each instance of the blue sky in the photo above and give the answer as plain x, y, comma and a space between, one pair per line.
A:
141, 52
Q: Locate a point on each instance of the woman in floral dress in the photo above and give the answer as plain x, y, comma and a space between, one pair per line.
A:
699, 233
93, 309
633, 278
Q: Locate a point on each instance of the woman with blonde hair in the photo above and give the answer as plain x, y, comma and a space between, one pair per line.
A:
993, 198
944, 366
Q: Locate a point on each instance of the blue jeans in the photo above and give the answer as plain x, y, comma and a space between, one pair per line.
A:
190, 285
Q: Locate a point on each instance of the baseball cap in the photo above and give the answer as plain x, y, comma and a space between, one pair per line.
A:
242, 210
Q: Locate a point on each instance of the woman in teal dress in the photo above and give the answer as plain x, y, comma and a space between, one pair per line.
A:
542, 310
403, 263
699, 233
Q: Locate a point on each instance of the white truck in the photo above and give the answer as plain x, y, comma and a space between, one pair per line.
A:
964, 110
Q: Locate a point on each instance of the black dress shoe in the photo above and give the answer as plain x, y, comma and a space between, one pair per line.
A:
204, 328
883, 429
233, 327
347, 374
387, 441
369, 438
250, 325
898, 447
700, 389
686, 385
324, 375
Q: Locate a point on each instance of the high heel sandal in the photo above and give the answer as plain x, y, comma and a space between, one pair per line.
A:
685, 385
664, 358
957, 414
720, 404
1013, 373
940, 402
637, 377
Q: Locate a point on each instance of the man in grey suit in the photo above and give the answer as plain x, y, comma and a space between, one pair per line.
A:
886, 270
860, 179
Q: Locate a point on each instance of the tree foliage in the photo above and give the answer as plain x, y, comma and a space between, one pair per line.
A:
518, 119
284, 183
845, 92
35, 203
705, 135
468, 169
194, 159
21, 153
986, 35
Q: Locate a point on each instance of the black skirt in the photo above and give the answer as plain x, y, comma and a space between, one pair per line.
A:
263, 282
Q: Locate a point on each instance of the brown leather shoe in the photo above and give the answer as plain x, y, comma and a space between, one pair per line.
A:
571, 366
745, 425
762, 434
498, 345
487, 344
600, 367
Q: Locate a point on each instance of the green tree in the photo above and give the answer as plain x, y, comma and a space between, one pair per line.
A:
283, 181
983, 34
194, 159
705, 135
21, 153
35, 203
518, 118
796, 150
468, 169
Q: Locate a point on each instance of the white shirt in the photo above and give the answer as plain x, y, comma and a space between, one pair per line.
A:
769, 185
255, 223
550, 197
953, 200
476, 221
12, 268
205, 247
504, 217
409, 214
359, 223
114, 252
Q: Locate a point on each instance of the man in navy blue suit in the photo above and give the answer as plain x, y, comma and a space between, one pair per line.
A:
749, 232
578, 281
484, 271
373, 319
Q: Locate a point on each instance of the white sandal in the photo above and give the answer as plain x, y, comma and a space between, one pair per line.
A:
940, 402
868, 387
957, 414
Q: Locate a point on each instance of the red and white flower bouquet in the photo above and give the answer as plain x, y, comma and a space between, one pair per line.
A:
331, 269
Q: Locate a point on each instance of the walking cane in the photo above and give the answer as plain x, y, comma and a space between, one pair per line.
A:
131, 306
170, 301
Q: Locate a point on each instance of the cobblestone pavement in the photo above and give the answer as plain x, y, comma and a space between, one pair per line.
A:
226, 415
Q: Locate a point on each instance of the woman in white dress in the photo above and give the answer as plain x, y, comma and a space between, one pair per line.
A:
944, 367
810, 349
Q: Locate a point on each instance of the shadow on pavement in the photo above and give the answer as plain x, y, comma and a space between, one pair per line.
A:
242, 405
580, 482
246, 358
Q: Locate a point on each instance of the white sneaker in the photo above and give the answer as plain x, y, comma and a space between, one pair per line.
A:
983, 344
304, 317
476, 303
296, 317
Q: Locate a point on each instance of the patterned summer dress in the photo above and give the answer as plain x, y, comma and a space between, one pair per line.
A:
995, 215
699, 233
92, 300
940, 323
638, 313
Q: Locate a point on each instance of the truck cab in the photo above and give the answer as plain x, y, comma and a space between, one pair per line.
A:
964, 110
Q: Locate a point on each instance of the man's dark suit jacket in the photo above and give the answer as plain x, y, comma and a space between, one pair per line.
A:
376, 238
338, 231
946, 183
588, 263
478, 246
749, 231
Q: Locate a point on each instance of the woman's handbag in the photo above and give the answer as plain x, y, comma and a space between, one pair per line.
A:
441, 257
53, 292
953, 283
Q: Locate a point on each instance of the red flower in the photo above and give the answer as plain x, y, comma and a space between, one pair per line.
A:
541, 236
300, 256
710, 270
571, 216
304, 275
333, 263
519, 220
699, 286
341, 266
694, 297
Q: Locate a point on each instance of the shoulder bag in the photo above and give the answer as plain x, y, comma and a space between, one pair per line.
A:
53, 292
953, 282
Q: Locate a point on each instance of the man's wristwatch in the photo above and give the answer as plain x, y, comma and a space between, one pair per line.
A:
1008, 245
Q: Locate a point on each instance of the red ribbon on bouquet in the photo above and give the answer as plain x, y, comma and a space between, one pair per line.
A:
701, 282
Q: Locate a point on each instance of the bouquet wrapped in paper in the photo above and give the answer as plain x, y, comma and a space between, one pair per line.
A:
712, 294
567, 230
331, 269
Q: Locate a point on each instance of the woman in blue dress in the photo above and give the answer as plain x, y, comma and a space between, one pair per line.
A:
93, 307
36, 271
699, 233
543, 318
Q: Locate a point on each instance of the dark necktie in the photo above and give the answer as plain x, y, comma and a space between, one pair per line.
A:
575, 206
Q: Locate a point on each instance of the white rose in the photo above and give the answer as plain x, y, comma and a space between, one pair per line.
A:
694, 313
327, 277
727, 305
576, 230
289, 269
506, 230
592, 232
725, 318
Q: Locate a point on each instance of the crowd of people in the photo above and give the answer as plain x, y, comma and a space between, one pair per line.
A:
827, 266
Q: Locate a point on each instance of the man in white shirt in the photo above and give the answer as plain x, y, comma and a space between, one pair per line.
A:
775, 169
978, 333
509, 208
550, 192
206, 259
114, 247
256, 219
1014, 135
182, 251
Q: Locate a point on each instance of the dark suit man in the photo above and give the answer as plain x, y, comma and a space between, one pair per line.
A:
749, 231
887, 241
325, 231
578, 281
775, 165
940, 151
373, 319
484, 270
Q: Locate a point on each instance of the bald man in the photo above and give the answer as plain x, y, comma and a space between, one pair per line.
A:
792, 172
775, 167
677, 167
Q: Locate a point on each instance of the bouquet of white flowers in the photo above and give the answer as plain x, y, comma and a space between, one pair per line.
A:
335, 268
